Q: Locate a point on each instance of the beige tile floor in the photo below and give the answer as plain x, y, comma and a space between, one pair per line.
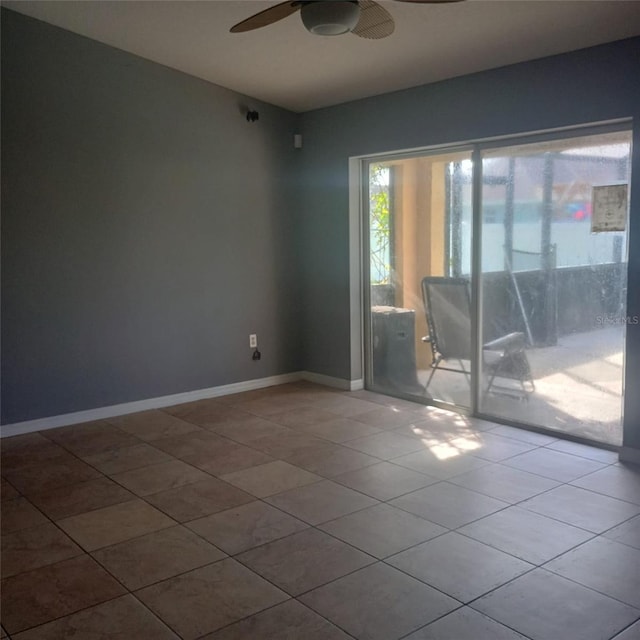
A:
303, 513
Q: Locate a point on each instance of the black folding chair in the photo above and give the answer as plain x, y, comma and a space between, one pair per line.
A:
447, 305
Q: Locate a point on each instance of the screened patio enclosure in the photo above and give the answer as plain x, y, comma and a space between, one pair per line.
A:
515, 221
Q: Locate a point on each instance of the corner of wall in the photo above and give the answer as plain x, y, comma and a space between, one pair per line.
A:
629, 454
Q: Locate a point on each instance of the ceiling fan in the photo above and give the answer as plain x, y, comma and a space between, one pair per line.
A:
364, 18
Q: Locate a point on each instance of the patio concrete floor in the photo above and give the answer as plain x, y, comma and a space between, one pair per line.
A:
578, 387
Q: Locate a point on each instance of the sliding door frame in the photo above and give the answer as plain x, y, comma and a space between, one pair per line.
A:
367, 346
477, 148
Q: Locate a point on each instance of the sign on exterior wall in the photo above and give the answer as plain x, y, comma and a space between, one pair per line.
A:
609, 208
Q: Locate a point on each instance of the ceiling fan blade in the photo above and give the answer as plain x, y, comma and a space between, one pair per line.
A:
375, 21
429, 1
267, 17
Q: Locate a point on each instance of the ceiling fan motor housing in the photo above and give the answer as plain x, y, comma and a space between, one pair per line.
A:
330, 17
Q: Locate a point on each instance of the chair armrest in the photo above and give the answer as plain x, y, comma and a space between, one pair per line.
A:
511, 342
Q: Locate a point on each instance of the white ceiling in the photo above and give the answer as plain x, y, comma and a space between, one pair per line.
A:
285, 65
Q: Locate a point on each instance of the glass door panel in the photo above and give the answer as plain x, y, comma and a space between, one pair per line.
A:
419, 226
553, 289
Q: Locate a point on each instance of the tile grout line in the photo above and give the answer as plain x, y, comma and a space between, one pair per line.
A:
330, 478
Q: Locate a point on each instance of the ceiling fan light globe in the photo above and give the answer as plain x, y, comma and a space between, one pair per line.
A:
330, 17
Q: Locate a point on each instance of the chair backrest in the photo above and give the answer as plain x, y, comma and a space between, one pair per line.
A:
447, 305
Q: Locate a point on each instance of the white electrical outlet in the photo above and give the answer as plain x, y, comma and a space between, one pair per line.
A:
253, 340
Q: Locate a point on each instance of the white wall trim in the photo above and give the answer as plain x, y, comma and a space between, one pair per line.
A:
330, 381
629, 454
356, 287
102, 413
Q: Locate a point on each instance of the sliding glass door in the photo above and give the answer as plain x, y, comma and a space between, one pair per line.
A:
553, 276
533, 304
419, 230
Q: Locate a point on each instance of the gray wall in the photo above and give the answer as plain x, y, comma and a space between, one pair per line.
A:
587, 86
147, 228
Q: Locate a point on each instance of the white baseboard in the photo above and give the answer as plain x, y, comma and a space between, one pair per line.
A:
629, 454
330, 381
102, 413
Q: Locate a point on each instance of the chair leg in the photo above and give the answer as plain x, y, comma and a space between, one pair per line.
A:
493, 377
466, 374
524, 378
433, 370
